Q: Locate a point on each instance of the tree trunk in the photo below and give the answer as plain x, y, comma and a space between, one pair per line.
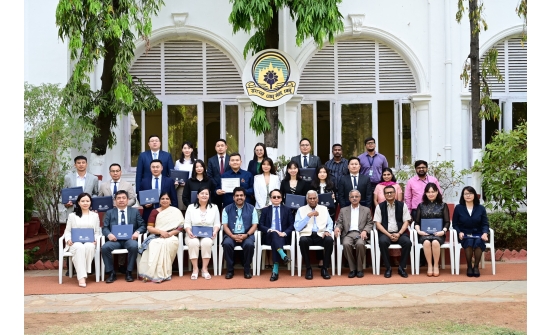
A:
474, 75
271, 137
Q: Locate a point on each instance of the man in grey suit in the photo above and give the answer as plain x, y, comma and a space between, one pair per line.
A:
306, 160
81, 177
108, 188
353, 226
120, 215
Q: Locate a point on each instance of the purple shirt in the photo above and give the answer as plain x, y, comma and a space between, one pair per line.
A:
415, 190
374, 164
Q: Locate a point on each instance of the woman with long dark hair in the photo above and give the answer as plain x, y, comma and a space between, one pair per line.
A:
198, 179
321, 183
185, 163
292, 183
260, 153
387, 179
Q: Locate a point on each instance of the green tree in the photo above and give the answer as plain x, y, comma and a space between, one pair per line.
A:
105, 30
319, 19
49, 134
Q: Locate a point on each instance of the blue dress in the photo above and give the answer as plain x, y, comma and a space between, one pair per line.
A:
476, 223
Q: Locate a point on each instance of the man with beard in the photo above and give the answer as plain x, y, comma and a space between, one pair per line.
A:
372, 162
338, 165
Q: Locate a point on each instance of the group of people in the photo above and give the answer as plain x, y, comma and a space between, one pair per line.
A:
358, 186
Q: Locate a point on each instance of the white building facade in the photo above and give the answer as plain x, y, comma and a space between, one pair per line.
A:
394, 73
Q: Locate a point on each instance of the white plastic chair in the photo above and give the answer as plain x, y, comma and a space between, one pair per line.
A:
392, 246
64, 252
119, 252
368, 246
214, 255
447, 245
261, 250
179, 255
313, 247
220, 251
490, 245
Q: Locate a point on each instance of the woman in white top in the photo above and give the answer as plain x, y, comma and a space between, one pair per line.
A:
83, 253
185, 163
201, 213
265, 183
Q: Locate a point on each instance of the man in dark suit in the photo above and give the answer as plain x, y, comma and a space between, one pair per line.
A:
354, 181
217, 165
160, 182
144, 161
355, 225
122, 214
306, 160
277, 224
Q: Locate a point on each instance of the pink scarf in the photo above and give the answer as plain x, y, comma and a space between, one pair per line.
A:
387, 183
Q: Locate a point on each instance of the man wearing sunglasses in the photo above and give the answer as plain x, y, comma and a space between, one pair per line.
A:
276, 224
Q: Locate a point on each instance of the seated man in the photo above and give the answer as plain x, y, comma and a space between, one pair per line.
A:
239, 220
315, 227
276, 222
392, 219
355, 223
122, 214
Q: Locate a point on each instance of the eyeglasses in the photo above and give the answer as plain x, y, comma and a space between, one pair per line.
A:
371, 143
276, 197
388, 193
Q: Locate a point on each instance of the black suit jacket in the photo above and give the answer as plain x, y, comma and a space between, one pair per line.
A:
166, 185
313, 162
213, 170
253, 167
143, 169
301, 188
132, 216
363, 186
287, 220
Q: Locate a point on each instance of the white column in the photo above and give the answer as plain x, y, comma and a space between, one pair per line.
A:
422, 128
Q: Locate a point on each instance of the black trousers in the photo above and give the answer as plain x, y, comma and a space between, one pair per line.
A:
315, 240
404, 241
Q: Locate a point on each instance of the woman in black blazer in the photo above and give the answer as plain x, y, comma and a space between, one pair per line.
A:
292, 184
198, 179
472, 227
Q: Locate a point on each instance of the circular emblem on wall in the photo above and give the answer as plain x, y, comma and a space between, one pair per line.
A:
270, 78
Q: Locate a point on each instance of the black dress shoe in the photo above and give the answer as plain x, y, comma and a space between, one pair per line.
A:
229, 275
324, 273
122, 269
402, 272
352, 274
112, 277
470, 272
67, 273
360, 274
247, 275
387, 274
309, 273
476, 272
274, 276
286, 260
129, 277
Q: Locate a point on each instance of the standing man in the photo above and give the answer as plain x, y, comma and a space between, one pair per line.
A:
372, 162
355, 224
306, 160
81, 177
217, 165
392, 220
159, 182
144, 161
239, 221
416, 185
122, 214
277, 224
314, 225
116, 184
337, 166
245, 177
354, 181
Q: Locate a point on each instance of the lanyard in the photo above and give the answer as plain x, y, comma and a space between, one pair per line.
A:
371, 162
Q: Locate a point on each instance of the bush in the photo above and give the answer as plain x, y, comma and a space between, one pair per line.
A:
510, 232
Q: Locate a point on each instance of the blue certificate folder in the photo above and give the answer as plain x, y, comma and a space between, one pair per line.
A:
179, 176
102, 204
295, 201
148, 197
193, 196
326, 200
307, 174
71, 194
122, 231
202, 231
431, 226
83, 234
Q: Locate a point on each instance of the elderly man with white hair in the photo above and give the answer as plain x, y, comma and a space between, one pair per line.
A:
314, 226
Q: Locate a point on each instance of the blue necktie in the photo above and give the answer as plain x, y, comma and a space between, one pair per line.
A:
305, 162
355, 182
155, 155
115, 189
277, 220
122, 218
157, 185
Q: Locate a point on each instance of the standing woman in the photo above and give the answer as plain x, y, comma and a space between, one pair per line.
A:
254, 166
432, 207
292, 184
201, 213
185, 163
83, 253
322, 183
472, 226
198, 180
388, 179
265, 183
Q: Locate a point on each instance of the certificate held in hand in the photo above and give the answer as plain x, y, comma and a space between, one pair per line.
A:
431, 226
202, 231
229, 184
148, 197
102, 204
326, 200
122, 231
82, 235
307, 174
295, 201
71, 194
179, 176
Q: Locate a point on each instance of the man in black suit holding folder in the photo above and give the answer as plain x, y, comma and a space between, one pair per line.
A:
122, 214
160, 182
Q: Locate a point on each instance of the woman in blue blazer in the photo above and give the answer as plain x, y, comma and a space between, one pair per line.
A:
472, 226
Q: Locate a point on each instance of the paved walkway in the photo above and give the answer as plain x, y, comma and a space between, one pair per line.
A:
395, 295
